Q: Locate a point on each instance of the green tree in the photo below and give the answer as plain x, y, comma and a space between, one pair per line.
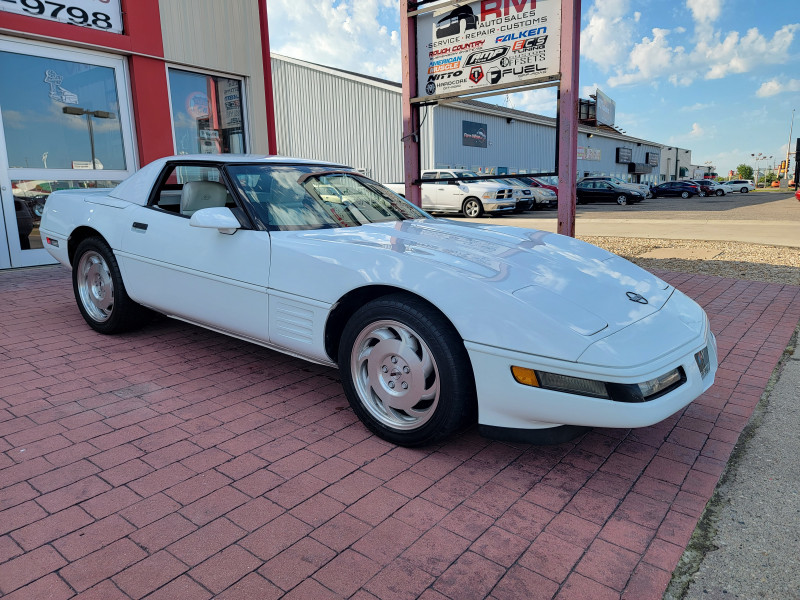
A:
770, 177
745, 171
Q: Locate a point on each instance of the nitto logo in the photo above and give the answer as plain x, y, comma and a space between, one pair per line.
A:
485, 56
441, 76
476, 74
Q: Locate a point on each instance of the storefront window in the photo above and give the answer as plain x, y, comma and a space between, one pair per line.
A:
30, 198
207, 115
59, 114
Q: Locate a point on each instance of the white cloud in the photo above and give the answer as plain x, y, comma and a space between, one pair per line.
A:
541, 102
712, 56
775, 86
696, 131
607, 37
698, 106
346, 35
705, 10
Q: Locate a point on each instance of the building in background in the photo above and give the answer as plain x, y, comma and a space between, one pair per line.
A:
94, 90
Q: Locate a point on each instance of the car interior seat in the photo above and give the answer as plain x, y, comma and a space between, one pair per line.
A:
197, 195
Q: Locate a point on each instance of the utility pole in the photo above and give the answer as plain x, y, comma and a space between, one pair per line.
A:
789, 150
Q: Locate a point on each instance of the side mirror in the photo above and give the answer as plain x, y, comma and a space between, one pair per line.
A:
216, 218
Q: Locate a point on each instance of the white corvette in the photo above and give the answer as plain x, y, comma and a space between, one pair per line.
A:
431, 322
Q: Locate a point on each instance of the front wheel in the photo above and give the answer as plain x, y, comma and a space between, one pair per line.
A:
472, 207
405, 371
622, 199
720, 192
685, 194
99, 290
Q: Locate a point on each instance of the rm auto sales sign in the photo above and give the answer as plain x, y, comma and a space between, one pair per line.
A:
487, 45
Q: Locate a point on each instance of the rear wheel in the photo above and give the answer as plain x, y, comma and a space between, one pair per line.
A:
744, 190
472, 207
405, 371
100, 291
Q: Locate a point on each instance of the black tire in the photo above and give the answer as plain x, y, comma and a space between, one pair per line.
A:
744, 190
622, 199
720, 192
374, 363
472, 207
685, 194
100, 292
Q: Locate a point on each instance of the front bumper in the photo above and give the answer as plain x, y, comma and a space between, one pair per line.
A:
504, 403
499, 205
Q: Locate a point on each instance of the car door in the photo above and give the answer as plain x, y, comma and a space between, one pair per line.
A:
587, 191
197, 274
605, 191
449, 195
430, 191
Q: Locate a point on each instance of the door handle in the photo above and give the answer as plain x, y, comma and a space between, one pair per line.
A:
142, 227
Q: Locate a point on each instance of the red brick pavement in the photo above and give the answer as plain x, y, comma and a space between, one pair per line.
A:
178, 463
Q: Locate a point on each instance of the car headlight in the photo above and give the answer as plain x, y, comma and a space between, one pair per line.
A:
488, 195
617, 392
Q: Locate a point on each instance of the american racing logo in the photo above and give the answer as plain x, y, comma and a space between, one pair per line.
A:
485, 56
522, 34
476, 74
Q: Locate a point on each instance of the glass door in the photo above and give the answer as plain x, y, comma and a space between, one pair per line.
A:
64, 124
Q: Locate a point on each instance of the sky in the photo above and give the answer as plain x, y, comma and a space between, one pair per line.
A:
717, 77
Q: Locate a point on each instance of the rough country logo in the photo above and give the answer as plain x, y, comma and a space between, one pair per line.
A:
485, 56
476, 74
430, 88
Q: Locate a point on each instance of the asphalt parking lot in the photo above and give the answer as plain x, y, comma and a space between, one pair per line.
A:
174, 463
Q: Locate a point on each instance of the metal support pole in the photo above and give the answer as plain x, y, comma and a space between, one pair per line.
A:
411, 132
568, 94
91, 135
789, 148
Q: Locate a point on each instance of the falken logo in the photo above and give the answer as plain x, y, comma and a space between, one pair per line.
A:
485, 56
520, 35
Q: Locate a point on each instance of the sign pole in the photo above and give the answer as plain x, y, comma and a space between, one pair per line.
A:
411, 130
568, 115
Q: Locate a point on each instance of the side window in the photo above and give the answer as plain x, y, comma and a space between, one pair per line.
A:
189, 188
429, 175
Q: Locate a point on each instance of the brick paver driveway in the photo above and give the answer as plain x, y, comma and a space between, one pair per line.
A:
177, 463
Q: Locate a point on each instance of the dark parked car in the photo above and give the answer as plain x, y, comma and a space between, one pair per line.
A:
684, 189
606, 191
707, 188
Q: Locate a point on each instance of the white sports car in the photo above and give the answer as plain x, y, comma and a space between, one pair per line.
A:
431, 322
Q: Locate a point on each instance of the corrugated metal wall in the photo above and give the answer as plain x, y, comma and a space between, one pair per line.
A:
225, 37
607, 165
516, 146
322, 115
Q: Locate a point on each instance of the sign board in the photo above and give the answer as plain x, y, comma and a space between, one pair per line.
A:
230, 103
652, 159
103, 15
588, 153
606, 109
474, 134
487, 45
624, 156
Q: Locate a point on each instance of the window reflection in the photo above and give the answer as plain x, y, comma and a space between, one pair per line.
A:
30, 196
207, 115
59, 114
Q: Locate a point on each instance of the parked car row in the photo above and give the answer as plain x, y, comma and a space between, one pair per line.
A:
460, 191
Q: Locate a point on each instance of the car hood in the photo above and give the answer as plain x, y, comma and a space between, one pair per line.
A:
557, 277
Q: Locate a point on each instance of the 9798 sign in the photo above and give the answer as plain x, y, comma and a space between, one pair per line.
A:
97, 14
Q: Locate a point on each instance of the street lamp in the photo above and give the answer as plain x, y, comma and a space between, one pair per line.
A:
757, 158
97, 114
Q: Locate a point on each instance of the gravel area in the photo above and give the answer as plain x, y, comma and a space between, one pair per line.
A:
755, 262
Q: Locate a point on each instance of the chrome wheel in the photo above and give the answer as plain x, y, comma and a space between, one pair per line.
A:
473, 208
622, 200
395, 375
95, 286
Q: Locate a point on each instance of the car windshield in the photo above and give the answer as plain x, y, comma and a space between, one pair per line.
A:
466, 174
300, 197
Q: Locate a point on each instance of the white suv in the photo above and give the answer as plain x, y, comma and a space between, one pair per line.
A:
742, 185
